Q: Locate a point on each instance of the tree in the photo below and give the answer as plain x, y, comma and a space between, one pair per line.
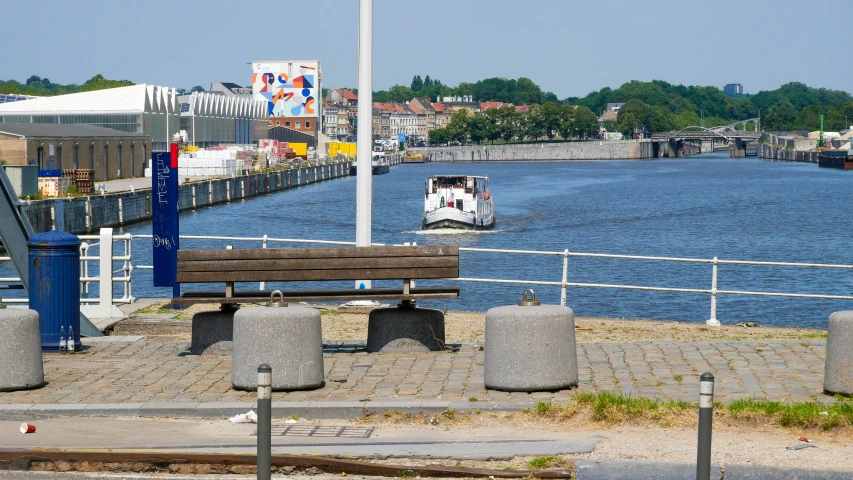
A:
417, 83
427, 81
660, 119
809, 118
459, 126
632, 115
533, 123
781, 116
400, 93
197, 88
552, 117
509, 123
479, 128
566, 129
584, 123
439, 136
494, 118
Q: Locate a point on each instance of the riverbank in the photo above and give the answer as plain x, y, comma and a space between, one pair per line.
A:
89, 213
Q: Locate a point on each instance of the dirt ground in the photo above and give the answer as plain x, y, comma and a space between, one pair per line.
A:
468, 327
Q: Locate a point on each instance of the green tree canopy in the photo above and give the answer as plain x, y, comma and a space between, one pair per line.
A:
417, 83
781, 116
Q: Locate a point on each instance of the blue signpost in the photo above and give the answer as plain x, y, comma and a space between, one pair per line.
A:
164, 219
401, 137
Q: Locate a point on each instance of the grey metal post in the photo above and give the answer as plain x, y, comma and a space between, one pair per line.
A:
264, 422
706, 418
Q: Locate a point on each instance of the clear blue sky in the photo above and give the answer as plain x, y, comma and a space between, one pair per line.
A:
566, 46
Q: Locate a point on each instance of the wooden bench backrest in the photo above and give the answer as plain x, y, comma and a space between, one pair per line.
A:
317, 264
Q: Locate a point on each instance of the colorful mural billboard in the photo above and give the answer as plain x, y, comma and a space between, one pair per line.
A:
290, 88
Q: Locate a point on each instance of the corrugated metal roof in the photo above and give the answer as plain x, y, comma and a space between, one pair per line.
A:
47, 130
121, 99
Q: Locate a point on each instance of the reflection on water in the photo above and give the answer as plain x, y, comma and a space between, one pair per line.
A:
701, 207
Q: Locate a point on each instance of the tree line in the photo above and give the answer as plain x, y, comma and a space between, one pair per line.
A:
507, 124
43, 87
522, 91
659, 105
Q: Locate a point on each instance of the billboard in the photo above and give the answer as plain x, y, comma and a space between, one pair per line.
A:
290, 88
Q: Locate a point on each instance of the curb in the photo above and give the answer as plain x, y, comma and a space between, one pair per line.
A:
630, 469
312, 410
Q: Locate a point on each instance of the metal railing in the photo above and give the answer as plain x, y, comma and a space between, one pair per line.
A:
713, 291
106, 276
107, 256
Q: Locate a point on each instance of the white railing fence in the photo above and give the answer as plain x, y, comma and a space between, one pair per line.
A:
713, 291
108, 256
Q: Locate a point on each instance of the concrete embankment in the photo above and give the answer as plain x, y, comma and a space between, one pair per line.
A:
590, 150
88, 214
774, 152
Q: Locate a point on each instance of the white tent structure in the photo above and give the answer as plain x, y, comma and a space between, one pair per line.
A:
147, 109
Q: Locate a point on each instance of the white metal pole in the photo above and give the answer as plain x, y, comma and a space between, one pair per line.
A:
713, 321
106, 267
364, 183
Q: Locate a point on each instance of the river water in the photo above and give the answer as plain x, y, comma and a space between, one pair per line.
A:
699, 207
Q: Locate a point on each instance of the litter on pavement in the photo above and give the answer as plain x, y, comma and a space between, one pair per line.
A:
249, 417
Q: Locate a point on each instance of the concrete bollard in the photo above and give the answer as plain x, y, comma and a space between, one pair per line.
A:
530, 347
20, 349
838, 369
213, 332
405, 329
288, 338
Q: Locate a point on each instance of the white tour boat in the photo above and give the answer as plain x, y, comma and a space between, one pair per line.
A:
458, 201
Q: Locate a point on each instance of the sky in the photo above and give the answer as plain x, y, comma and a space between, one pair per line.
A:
568, 47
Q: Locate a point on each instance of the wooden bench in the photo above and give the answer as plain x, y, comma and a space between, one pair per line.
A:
318, 264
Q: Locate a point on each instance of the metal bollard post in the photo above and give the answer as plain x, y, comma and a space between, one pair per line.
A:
264, 422
706, 418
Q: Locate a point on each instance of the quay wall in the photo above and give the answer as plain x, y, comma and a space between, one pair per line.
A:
774, 152
537, 152
81, 215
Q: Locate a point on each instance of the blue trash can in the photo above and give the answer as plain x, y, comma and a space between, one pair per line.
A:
54, 266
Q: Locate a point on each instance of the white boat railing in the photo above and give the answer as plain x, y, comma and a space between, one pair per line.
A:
107, 256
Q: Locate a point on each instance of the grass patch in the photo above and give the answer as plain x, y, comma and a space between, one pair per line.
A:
678, 378
473, 399
539, 463
329, 313
801, 415
815, 335
613, 407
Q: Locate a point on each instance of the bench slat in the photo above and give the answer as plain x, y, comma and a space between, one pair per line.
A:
345, 252
243, 296
316, 264
317, 275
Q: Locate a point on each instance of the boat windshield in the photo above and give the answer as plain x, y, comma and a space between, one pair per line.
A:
451, 181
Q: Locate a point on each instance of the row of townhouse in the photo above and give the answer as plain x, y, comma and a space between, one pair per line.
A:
414, 118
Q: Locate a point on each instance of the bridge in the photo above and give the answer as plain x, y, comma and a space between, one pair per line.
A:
740, 143
696, 132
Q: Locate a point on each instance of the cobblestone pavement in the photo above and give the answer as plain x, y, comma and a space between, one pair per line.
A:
131, 369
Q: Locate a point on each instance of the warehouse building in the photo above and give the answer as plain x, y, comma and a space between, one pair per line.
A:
148, 110
110, 153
